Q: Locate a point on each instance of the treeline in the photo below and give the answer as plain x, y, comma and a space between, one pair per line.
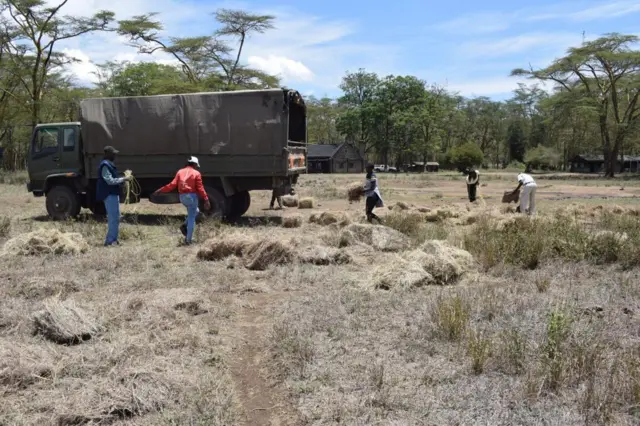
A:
593, 109
36, 87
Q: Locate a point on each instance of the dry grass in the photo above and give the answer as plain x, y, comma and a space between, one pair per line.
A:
307, 203
46, 241
290, 201
292, 221
5, 226
64, 322
500, 344
355, 192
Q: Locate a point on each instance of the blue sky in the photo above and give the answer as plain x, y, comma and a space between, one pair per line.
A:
469, 47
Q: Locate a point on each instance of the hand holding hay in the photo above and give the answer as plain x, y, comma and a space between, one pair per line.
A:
355, 192
511, 196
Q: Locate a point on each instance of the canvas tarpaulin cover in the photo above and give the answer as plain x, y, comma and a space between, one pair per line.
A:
225, 123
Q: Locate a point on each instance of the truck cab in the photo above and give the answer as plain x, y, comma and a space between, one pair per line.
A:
56, 167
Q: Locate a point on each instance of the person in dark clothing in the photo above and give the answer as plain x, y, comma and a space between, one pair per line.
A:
473, 181
372, 194
108, 191
276, 195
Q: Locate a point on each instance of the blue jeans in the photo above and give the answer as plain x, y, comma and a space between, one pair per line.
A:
190, 201
112, 205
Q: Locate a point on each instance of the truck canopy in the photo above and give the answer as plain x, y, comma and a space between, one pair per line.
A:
240, 123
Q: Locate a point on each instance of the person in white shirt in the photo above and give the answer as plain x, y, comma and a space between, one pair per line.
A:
473, 180
528, 198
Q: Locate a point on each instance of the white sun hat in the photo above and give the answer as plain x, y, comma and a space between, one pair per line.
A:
194, 160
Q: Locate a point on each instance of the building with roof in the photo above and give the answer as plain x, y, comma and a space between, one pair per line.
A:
595, 164
334, 158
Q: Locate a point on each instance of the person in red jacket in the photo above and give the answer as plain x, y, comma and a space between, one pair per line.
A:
188, 181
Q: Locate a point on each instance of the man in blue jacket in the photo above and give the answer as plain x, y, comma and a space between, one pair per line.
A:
108, 191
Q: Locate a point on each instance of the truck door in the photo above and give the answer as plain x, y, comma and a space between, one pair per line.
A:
69, 153
45, 155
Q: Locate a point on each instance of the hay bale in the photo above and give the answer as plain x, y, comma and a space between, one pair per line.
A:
401, 205
445, 263
355, 192
424, 210
306, 203
511, 197
292, 221
230, 245
321, 255
330, 218
64, 322
262, 254
400, 275
379, 237
433, 217
290, 201
44, 242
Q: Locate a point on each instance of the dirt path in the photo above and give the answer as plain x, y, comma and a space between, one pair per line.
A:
263, 403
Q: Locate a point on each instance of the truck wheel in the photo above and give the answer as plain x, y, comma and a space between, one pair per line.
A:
62, 203
219, 205
240, 202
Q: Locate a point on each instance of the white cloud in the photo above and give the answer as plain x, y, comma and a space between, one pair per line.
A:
478, 23
285, 68
605, 10
521, 43
492, 87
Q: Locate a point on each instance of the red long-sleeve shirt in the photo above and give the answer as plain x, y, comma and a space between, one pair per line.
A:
187, 180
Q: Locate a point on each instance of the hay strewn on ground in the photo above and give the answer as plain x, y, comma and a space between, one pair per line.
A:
23, 365
306, 203
330, 218
221, 248
321, 255
400, 275
294, 221
379, 237
446, 264
355, 192
265, 253
64, 322
290, 201
46, 241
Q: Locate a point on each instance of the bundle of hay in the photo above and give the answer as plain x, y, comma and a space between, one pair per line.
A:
44, 242
230, 245
424, 210
400, 275
379, 237
511, 197
262, 254
306, 203
355, 192
64, 322
445, 263
399, 206
290, 201
330, 218
292, 221
321, 255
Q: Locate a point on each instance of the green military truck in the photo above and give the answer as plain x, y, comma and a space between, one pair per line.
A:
245, 140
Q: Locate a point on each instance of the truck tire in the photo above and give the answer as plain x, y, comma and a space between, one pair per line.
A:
239, 204
62, 203
219, 204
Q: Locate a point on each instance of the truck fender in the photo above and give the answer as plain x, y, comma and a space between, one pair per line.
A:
68, 179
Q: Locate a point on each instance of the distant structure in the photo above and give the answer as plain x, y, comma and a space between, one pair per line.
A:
585, 163
334, 158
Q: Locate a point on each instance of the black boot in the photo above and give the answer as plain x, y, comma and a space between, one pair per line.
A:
183, 229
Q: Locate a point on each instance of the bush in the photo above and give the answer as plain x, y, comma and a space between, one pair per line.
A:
543, 158
467, 155
515, 165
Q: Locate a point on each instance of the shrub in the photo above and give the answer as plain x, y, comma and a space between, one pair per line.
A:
467, 155
450, 316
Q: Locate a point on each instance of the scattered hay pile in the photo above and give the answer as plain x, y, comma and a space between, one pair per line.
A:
400, 275
445, 263
255, 254
46, 241
230, 245
379, 237
262, 254
292, 221
193, 308
64, 322
321, 255
511, 197
22, 366
355, 192
121, 398
400, 206
306, 203
290, 201
424, 210
330, 218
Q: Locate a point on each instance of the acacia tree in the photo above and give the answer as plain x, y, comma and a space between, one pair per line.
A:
30, 31
206, 60
604, 76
